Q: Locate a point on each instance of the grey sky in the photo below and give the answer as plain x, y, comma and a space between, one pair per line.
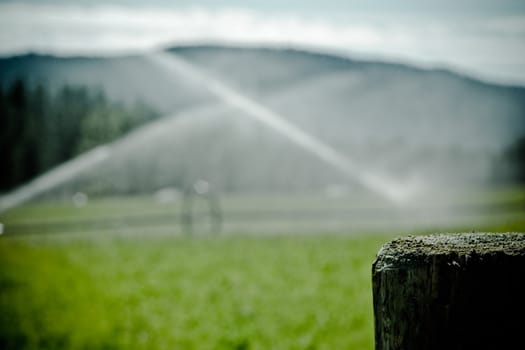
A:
451, 7
480, 37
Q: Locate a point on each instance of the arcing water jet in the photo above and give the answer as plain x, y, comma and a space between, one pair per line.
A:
384, 186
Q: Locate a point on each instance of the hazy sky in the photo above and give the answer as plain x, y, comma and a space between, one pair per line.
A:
485, 38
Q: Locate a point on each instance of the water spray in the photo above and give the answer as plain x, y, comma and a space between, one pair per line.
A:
54, 177
95, 157
386, 187
177, 67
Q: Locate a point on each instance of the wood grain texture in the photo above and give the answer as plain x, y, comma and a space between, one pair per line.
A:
450, 291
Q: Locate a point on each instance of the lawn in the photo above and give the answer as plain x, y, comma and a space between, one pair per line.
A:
121, 273
278, 292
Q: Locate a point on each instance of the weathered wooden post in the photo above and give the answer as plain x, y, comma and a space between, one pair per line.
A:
450, 291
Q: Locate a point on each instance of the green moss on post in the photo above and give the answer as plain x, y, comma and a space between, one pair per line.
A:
450, 291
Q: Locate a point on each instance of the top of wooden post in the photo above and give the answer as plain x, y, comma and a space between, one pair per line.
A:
458, 291
417, 249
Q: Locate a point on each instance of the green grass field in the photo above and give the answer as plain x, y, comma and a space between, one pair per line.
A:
278, 292
115, 286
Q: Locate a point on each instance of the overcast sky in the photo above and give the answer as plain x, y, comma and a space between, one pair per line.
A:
485, 38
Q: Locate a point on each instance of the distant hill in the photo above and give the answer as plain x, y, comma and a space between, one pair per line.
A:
127, 79
389, 118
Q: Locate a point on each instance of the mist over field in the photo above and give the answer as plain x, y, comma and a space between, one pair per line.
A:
364, 145
427, 126
318, 102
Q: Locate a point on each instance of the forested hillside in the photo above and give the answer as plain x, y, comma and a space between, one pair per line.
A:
40, 128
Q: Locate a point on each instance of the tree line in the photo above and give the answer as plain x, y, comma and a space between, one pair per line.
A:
42, 127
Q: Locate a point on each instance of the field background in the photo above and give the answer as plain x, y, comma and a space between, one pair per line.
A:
285, 272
